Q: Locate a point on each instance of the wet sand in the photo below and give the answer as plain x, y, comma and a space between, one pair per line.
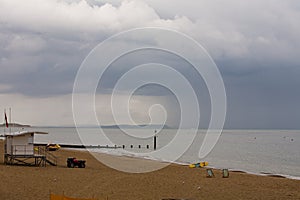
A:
99, 181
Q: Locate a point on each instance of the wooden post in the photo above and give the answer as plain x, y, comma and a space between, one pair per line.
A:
154, 142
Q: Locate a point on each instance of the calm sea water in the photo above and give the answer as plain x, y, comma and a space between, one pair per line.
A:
253, 151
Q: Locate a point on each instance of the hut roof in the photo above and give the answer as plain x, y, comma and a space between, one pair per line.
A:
19, 133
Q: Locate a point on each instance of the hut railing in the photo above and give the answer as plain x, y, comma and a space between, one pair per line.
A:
50, 158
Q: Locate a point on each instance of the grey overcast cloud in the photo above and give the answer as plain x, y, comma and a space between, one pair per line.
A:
255, 44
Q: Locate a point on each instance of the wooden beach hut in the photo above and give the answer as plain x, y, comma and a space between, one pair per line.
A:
19, 149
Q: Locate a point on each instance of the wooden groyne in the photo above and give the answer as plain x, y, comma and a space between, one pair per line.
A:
81, 146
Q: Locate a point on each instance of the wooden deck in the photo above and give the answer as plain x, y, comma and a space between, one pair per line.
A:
41, 158
30, 160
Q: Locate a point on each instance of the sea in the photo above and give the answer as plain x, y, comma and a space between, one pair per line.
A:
261, 152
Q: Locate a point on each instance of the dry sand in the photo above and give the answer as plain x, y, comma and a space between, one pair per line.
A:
100, 181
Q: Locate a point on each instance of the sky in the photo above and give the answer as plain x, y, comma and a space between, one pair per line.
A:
255, 45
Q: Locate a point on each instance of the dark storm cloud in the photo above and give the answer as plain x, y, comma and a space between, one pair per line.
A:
262, 97
255, 44
44, 43
38, 65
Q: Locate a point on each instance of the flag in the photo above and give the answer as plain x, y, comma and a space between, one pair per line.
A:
6, 122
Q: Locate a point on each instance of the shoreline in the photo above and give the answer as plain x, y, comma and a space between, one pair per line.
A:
264, 174
86, 149
99, 181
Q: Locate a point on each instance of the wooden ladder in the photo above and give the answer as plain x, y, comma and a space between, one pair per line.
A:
49, 157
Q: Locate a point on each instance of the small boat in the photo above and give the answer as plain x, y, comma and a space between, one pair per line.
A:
52, 147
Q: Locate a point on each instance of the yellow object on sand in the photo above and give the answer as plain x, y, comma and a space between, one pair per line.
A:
63, 197
52, 147
201, 164
192, 166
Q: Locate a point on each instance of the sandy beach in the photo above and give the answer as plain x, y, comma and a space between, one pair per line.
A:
102, 182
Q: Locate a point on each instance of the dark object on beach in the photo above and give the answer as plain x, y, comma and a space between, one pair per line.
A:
73, 162
225, 173
210, 173
154, 142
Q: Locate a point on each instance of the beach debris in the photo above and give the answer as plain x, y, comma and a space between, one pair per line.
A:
200, 164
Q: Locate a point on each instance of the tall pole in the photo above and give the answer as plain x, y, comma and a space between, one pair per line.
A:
9, 120
4, 127
4, 124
